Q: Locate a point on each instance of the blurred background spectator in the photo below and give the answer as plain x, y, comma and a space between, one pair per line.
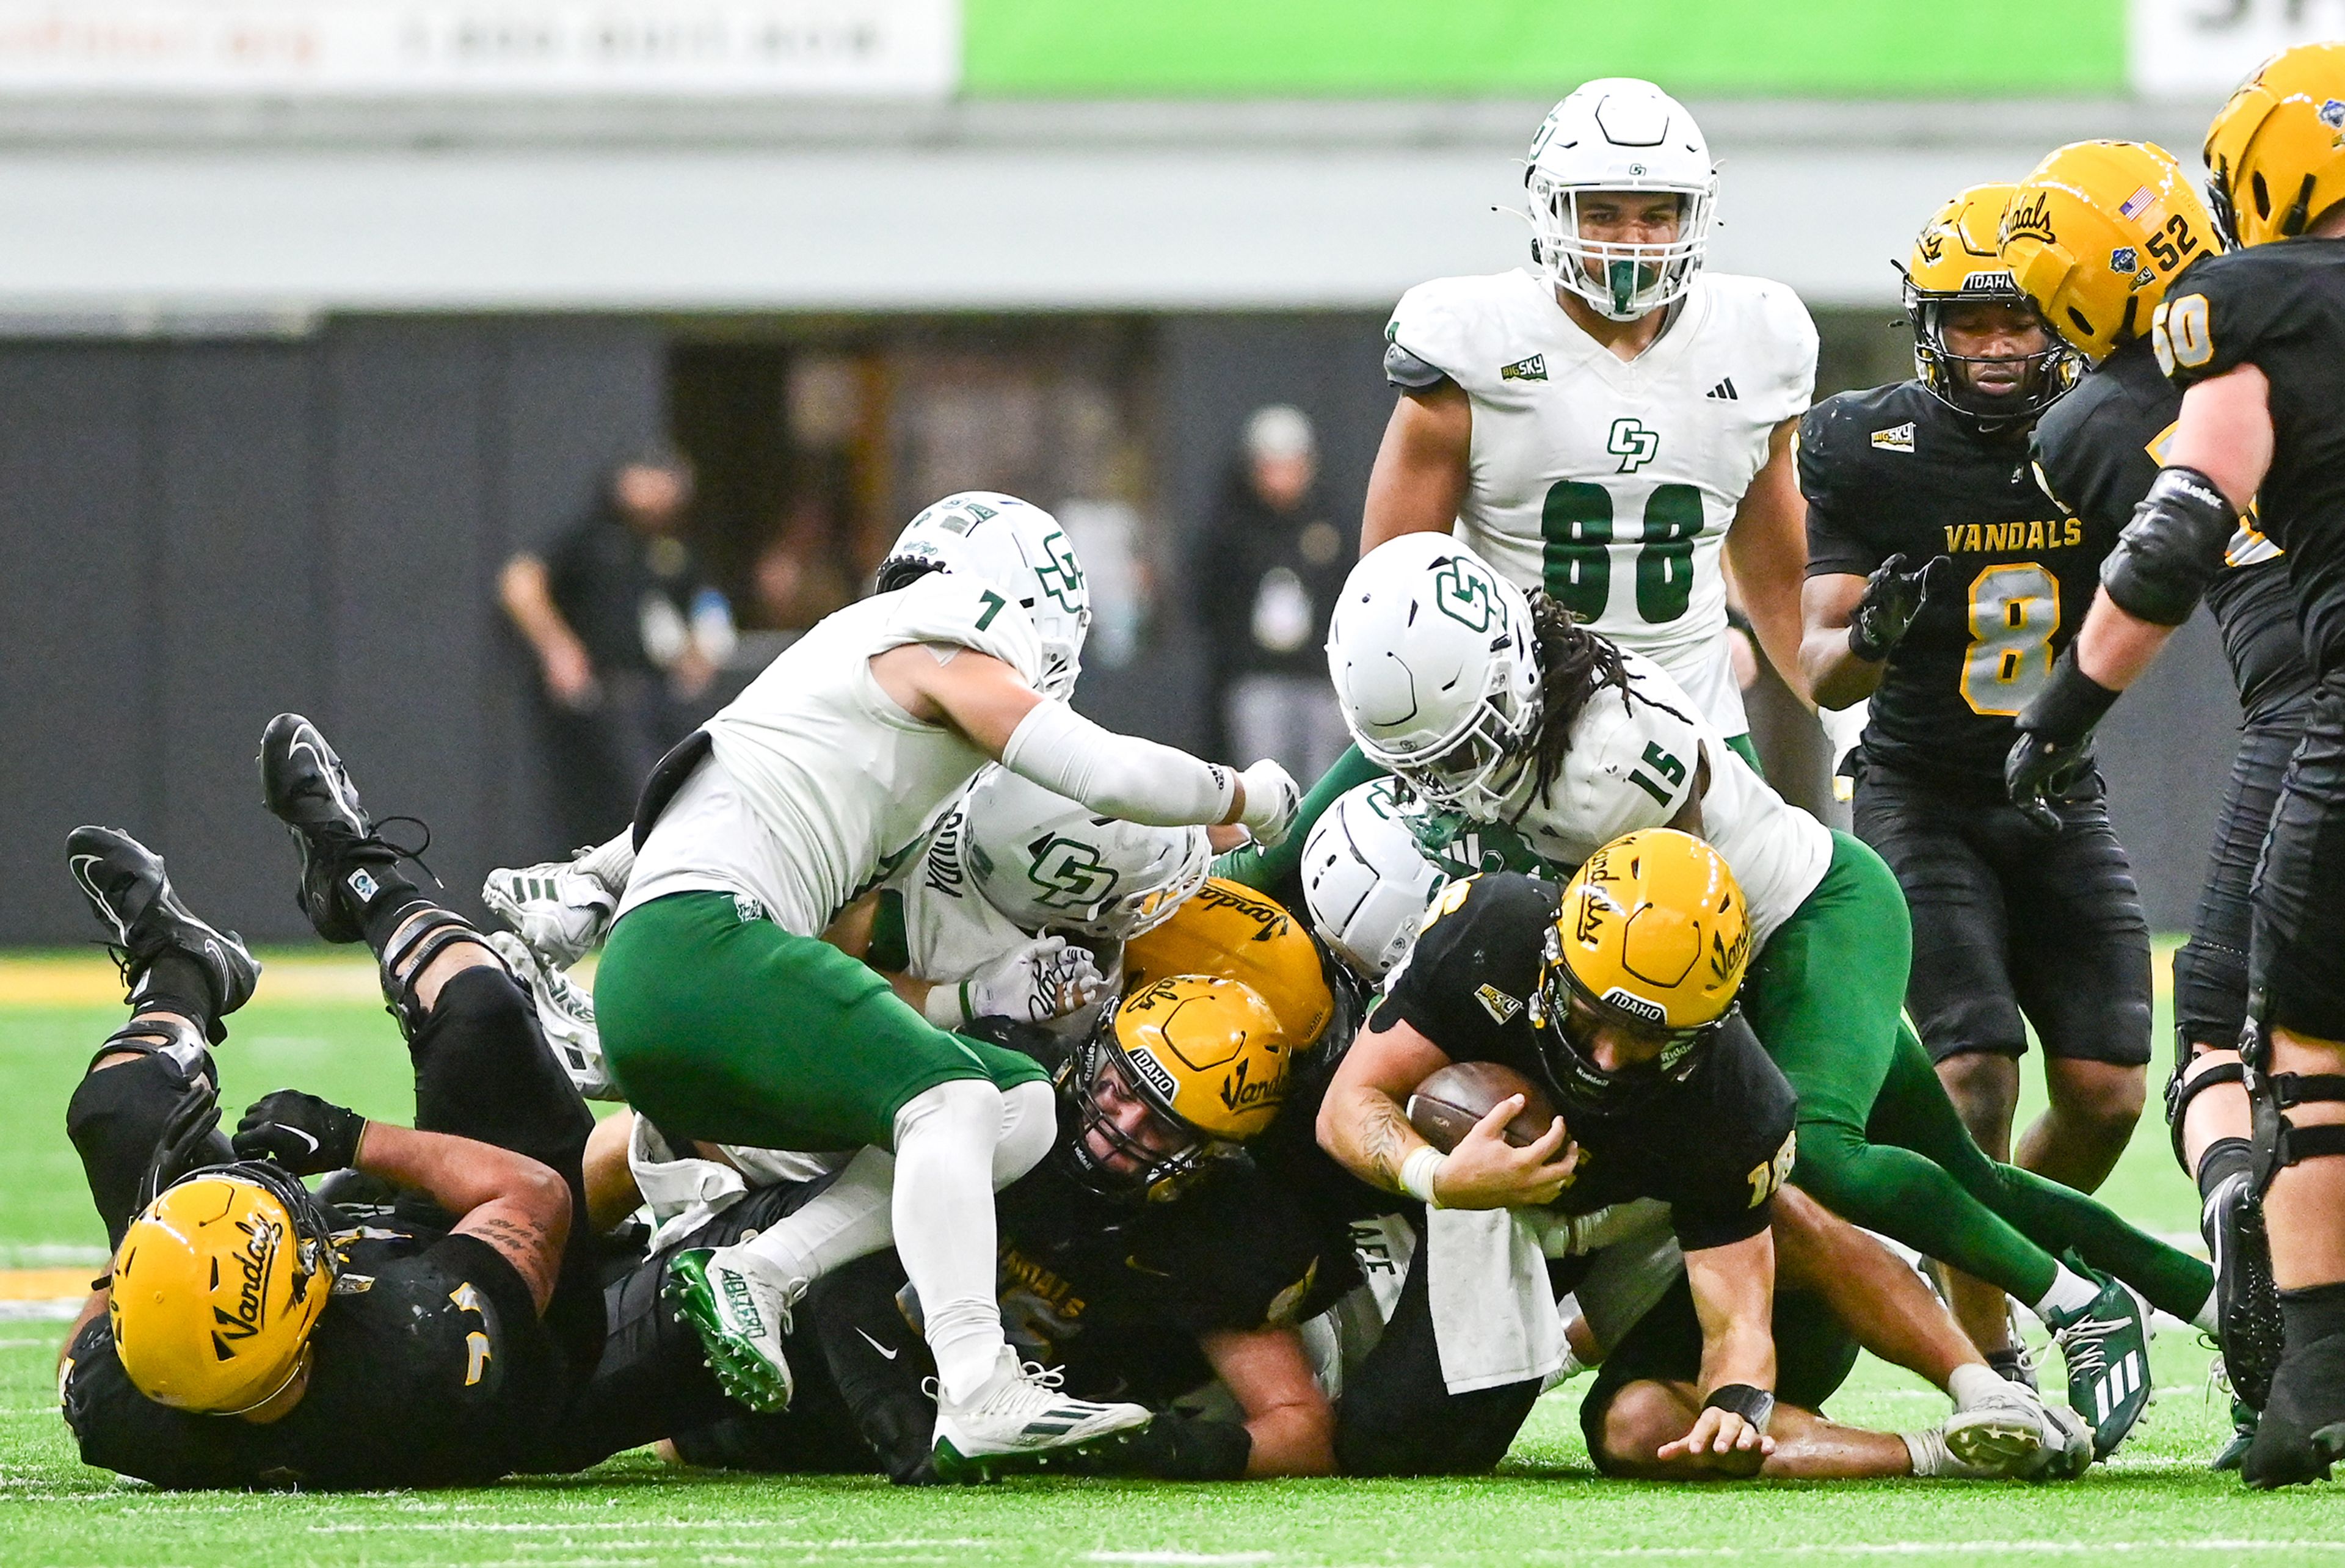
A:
628, 633
1266, 569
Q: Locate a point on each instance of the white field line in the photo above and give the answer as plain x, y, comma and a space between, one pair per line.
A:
1179, 1556
1922, 1548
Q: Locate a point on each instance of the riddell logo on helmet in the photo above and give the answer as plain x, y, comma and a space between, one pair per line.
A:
2031, 219
256, 1260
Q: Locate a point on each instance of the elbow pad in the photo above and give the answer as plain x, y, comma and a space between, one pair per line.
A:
2172, 549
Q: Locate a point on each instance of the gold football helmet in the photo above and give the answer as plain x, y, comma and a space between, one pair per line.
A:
217, 1287
1652, 935
1207, 1058
2094, 234
1954, 263
1229, 930
2276, 152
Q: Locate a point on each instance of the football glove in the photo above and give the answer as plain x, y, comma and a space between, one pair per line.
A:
560, 907
1272, 801
2054, 740
306, 1134
1893, 597
1043, 980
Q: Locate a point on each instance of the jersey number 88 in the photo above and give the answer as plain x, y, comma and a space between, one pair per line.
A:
1577, 523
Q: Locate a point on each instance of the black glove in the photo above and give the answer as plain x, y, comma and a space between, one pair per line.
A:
2053, 745
1893, 597
306, 1134
191, 1141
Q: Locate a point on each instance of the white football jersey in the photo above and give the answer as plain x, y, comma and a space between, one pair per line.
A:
1633, 764
1611, 484
821, 785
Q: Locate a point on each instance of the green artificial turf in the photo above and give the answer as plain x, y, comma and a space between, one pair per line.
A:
2154, 1503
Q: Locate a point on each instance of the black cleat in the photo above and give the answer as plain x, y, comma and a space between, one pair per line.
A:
2301, 1432
2234, 1452
131, 894
2246, 1304
305, 785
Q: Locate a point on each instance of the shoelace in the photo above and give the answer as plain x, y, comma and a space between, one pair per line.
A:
2081, 1345
375, 838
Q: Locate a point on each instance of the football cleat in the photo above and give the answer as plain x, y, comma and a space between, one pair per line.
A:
560, 907
2301, 1432
2012, 1364
2106, 1345
305, 785
565, 1015
2234, 1452
2246, 1304
2012, 1434
740, 1307
129, 891
1019, 1422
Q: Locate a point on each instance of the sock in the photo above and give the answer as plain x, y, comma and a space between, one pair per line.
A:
2070, 1292
611, 864
1974, 1385
1929, 1454
2205, 1319
846, 1220
942, 1212
386, 909
2314, 1312
175, 983
2224, 1158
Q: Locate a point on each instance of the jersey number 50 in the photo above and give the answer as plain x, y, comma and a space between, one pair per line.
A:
1577, 523
2013, 612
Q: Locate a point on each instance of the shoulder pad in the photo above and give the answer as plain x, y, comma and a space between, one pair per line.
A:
1411, 374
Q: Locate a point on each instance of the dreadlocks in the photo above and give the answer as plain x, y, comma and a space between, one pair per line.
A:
1575, 664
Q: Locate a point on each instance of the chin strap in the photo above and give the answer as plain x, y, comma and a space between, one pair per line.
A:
2280, 1142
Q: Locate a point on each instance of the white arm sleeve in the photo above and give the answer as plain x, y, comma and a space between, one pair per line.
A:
1117, 776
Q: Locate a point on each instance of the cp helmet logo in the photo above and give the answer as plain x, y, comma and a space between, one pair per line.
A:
1068, 873
1464, 595
1060, 577
1632, 443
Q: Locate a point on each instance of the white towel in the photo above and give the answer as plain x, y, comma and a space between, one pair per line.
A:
1494, 1316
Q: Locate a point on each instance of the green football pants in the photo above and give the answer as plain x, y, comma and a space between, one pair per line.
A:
1880, 1143
734, 1030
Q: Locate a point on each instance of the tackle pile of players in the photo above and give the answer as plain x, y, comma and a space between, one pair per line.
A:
978, 1120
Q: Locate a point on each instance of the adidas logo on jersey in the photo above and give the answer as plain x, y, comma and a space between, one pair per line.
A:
1724, 391
1895, 439
1531, 369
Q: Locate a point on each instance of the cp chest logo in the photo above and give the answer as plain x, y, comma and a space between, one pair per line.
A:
1068, 873
1632, 443
1464, 595
1060, 577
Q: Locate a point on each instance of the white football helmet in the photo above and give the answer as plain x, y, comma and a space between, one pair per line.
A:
1432, 656
1019, 549
1618, 133
1048, 862
1365, 880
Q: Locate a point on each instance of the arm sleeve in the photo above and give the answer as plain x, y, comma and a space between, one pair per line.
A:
1117, 776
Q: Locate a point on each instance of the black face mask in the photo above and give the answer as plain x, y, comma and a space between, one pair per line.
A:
1156, 1176
1580, 1084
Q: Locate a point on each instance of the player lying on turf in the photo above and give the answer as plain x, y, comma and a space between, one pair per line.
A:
252, 1336
726, 1017
2098, 452
1144, 1257
1500, 708
1617, 991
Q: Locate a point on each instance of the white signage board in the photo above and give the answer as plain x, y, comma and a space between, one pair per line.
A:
358, 49
2201, 49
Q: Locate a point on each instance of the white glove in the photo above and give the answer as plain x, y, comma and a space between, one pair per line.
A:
561, 907
1271, 800
1045, 979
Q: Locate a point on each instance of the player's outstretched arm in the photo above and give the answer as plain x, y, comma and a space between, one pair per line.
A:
1767, 545
1286, 1413
1735, 1297
1422, 466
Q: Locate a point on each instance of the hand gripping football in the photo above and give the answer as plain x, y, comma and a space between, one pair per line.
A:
1445, 1105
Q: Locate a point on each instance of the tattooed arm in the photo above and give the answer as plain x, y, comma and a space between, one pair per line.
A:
515, 1204
1362, 1122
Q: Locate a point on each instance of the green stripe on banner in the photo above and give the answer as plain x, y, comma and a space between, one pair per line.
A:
1539, 48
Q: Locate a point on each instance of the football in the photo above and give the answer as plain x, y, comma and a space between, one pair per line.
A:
1445, 1105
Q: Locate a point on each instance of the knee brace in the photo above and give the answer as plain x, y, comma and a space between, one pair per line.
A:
2280, 1142
431, 933
2184, 1086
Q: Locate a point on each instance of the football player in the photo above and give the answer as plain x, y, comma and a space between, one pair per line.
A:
1942, 583
2098, 453
1665, 1096
1604, 422
1540, 725
726, 1017
2253, 340
250, 1335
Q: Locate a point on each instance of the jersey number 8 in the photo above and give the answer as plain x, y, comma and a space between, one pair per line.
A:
1577, 522
2013, 612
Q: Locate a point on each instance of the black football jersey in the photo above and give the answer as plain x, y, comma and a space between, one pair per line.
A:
431, 1368
1894, 470
2281, 308
2097, 451
1714, 1147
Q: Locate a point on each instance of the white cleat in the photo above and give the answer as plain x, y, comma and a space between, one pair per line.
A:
565, 1015
561, 907
2015, 1434
1021, 1422
740, 1306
